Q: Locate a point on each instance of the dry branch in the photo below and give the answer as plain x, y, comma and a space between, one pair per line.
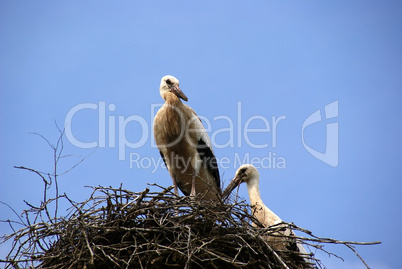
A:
117, 228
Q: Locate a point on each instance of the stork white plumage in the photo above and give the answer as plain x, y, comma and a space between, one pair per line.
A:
184, 145
248, 173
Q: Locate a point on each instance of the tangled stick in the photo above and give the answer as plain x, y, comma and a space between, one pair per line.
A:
118, 228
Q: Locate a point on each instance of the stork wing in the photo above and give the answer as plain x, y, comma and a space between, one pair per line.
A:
164, 159
209, 159
300, 254
197, 125
204, 148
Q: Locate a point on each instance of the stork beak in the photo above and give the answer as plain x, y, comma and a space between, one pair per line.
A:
232, 185
176, 90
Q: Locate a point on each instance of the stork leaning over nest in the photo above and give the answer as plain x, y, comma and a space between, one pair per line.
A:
185, 146
280, 240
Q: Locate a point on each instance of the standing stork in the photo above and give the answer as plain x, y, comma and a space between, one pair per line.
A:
248, 173
185, 146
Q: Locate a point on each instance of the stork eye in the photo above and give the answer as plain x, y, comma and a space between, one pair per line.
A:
168, 82
243, 170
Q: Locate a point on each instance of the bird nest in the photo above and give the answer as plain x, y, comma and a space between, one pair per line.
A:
118, 228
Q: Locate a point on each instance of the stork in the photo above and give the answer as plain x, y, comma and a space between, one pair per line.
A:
185, 146
248, 173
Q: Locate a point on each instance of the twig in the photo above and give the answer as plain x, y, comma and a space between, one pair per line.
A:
357, 254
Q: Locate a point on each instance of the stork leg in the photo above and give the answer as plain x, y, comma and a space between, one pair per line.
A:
176, 191
192, 193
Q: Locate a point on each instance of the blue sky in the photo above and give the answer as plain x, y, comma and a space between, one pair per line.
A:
264, 60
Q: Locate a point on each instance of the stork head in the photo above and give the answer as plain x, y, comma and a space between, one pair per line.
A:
246, 173
170, 84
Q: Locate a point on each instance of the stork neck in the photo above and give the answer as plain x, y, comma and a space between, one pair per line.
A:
268, 217
172, 118
254, 191
172, 99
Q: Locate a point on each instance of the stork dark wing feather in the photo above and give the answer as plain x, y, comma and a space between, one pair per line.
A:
209, 159
183, 190
163, 158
